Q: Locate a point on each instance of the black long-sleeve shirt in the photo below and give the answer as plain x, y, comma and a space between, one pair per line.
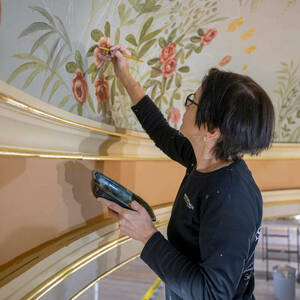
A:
214, 225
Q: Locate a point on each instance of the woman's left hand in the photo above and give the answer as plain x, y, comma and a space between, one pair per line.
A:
135, 223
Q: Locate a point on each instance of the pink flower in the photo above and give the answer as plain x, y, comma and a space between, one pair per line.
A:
79, 87
169, 67
100, 55
225, 60
102, 90
209, 35
167, 52
175, 115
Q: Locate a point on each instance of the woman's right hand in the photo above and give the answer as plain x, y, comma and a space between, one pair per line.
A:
121, 65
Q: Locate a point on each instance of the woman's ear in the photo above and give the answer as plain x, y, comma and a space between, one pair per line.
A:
212, 135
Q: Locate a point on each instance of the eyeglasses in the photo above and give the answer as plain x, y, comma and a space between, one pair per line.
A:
189, 100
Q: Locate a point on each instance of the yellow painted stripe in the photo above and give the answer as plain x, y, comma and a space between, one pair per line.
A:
152, 289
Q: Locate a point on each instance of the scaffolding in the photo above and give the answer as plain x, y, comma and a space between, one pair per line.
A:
269, 232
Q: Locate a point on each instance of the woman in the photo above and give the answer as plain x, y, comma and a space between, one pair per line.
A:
216, 217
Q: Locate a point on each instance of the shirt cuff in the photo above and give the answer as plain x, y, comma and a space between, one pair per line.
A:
147, 250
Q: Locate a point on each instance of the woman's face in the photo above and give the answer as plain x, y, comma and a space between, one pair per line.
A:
188, 127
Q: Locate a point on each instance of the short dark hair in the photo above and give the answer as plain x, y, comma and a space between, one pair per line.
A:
241, 109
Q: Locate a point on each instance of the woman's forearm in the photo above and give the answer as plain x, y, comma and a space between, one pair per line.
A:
134, 90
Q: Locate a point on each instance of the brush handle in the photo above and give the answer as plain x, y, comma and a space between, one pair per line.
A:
107, 49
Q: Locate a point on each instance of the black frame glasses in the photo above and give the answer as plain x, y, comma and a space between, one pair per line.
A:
189, 101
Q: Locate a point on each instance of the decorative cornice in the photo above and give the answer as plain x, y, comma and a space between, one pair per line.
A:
37, 129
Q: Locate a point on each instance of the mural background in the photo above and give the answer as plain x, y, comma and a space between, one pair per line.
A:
49, 49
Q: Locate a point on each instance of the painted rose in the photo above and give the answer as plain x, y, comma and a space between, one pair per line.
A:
101, 90
79, 87
100, 55
167, 52
209, 35
225, 60
175, 115
169, 67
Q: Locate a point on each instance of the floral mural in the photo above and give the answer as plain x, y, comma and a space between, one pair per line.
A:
55, 55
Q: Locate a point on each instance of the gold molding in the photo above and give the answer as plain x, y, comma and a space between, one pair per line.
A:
54, 280
281, 202
24, 152
280, 216
41, 113
104, 275
277, 151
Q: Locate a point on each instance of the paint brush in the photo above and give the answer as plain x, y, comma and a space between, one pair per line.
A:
107, 49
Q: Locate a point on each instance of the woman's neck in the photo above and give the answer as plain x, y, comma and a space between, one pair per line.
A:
206, 160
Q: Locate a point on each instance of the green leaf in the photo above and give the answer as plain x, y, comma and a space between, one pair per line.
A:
169, 82
121, 10
91, 51
153, 92
91, 103
21, 69
107, 29
165, 100
57, 58
31, 77
46, 84
178, 80
172, 35
155, 72
177, 96
64, 101
163, 85
157, 100
151, 35
131, 22
184, 69
145, 28
200, 32
109, 77
37, 26
56, 85
44, 13
40, 41
282, 78
199, 49
147, 84
92, 68
120, 87
153, 61
71, 67
78, 59
162, 42
179, 39
96, 35
113, 91
190, 46
131, 39
117, 36
298, 114
145, 48
52, 51
94, 75
64, 32
79, 109
189, 53
195, 39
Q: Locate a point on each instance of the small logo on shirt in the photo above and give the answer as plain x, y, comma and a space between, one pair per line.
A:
188, 202
258, 234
